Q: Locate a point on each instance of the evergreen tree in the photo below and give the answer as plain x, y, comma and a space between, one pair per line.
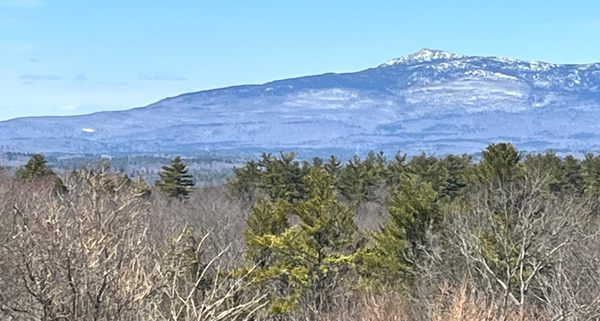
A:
175, 180
245, 180
413, 210
316, 162
305, 259
267, 218
360, 179
429, 169
282, 177
572, 180
500, 164
457, 169
36, 167
333, 166
395, 169
590, 171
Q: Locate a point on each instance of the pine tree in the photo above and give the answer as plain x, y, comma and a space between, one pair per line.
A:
590, 171
413, 210
395, 169
500, 164
360, 179
333, 166
572, 180
175, 180
305, 259
457, 169
245, 180
429, 169
267, 218
36, 167
281, 178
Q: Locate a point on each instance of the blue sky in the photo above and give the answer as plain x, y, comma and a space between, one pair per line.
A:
60, 57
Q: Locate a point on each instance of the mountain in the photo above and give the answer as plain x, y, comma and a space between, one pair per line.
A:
432, 101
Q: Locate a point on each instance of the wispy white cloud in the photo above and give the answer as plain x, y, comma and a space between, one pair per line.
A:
161, 76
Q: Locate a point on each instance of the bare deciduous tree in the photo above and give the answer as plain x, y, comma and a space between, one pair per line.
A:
87, 254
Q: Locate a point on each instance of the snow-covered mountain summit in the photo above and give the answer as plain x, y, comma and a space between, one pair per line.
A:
432, 101
423, 55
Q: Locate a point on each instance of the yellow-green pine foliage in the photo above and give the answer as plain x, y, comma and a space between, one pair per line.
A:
267, 218
428, 169
395, 169
308, 259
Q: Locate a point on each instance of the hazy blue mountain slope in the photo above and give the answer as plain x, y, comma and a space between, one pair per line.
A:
430, 101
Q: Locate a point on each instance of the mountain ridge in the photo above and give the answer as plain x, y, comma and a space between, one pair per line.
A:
431, 101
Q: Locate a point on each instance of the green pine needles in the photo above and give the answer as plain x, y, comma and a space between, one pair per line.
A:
299, 264
36, 167
175, 181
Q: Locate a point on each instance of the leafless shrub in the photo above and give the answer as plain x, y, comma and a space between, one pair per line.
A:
209, 210
87, 254
371, 216
515, 239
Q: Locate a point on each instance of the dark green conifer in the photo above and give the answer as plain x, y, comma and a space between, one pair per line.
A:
245, 180
590, 171
500, 164
36, 167
457, 169
333, 166
175, 180
572, 180
413, 210
360, 179
429, 169
395, 169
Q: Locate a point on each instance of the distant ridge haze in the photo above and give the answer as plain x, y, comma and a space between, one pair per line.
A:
431, 101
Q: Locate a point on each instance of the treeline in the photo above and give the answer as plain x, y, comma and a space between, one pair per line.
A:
368, 178
510, 236
207, 169
504, 221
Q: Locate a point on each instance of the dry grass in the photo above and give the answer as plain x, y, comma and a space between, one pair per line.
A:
462, 305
